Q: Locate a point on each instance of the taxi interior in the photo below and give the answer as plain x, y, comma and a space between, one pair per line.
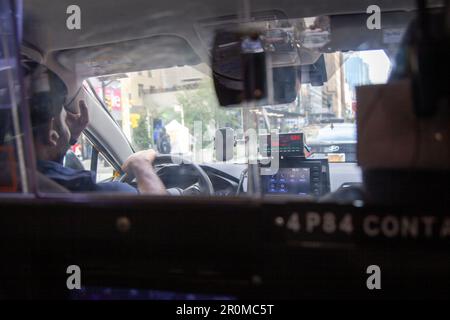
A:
252, 243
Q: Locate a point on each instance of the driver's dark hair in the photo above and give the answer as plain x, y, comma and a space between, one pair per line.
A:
45, 100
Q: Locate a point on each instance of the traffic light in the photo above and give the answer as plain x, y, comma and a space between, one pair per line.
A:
134, 120
108, 102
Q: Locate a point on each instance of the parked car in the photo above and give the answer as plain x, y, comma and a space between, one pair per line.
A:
336, 141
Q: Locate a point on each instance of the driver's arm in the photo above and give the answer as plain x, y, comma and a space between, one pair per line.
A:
140, 165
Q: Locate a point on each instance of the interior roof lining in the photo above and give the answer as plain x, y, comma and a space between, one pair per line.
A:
44, 28
41, 26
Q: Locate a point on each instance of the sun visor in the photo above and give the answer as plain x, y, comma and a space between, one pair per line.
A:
391, 136
362, 38
129, 56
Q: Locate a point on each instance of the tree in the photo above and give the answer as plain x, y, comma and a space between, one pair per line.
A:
202, 105
141, 137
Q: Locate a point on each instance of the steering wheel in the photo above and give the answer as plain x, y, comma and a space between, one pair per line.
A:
203, 186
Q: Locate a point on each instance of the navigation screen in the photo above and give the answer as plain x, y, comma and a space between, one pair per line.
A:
289, 180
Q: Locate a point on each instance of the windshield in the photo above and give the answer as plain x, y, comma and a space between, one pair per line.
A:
167, 109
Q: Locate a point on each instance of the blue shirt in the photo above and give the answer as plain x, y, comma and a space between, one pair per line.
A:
80, 180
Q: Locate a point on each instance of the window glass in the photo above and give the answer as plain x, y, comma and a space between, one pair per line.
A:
80, 157
15, 136
105, 171
175, 109
186, 97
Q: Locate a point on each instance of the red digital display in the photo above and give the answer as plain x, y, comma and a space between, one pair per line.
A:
287, 143
287, 140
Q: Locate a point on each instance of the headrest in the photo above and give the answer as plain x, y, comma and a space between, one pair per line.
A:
392, 136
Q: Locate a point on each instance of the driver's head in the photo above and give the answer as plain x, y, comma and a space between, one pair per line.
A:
47, 96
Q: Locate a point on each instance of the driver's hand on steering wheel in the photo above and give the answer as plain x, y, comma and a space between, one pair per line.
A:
140, 165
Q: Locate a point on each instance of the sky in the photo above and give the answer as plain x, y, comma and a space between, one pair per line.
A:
379, 65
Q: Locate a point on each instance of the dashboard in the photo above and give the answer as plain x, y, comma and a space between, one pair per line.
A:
224, 183
225, 178
295, 174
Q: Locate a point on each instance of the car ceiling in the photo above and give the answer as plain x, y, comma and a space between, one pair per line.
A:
106, 21
153, 25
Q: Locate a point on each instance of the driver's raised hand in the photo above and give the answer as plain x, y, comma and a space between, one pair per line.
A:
77, 120
140, 165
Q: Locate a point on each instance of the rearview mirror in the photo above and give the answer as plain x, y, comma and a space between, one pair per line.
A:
247, 67
239, 67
